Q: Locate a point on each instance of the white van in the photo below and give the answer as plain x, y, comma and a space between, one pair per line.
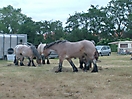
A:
103, 50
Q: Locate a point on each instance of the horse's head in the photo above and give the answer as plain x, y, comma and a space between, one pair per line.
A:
38, 60
46, 52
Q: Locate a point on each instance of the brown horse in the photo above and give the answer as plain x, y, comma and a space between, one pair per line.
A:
82, 61
30, 52
40, 50
68, 50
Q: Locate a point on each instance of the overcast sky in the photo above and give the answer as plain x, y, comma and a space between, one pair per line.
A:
40, 10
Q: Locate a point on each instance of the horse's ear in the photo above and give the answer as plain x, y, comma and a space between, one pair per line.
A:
45, 46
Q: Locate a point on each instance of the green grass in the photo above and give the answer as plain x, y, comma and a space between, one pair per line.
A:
113, 81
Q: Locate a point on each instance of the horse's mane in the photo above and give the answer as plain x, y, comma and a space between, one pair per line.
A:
55, 42
28, 44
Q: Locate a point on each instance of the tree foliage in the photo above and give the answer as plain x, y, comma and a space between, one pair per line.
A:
102, 24
10, 20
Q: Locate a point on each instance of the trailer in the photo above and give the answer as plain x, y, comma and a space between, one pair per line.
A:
124, 47
8, 42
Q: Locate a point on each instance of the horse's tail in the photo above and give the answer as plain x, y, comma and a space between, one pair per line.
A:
96, 55
35, 52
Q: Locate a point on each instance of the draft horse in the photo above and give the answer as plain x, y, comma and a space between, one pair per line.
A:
40, 51
82, 61
30, 52
68, 50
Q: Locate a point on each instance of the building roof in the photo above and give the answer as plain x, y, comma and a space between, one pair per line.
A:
114, 42
120, 42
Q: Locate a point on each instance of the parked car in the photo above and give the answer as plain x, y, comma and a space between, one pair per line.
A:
103, 50
53, 55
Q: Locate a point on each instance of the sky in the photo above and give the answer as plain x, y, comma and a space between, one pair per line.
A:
41, 10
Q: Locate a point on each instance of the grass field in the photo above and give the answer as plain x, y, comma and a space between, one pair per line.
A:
113, 81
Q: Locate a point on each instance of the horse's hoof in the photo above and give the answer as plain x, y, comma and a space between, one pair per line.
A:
43, 62
21, 64
57, 71
75, 70
81, 67
85, 70
93, 71
16, 64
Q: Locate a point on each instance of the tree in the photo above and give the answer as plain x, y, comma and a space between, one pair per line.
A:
52, 30
117, 13
10, 20
90, 23
29, 28
128, 33
73, 22
96, 20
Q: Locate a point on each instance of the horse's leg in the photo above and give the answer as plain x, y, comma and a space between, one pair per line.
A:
60, 66
81, 63
16, 61
95, 68
87, 63
87, 66
29, 63
73, 66
131, 56
33, 63
43, 59
90, 64
48, 62
21, 61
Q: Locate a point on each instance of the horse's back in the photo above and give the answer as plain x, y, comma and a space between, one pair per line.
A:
19, 47
77, 48
89, 48
22, 49
89, 44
